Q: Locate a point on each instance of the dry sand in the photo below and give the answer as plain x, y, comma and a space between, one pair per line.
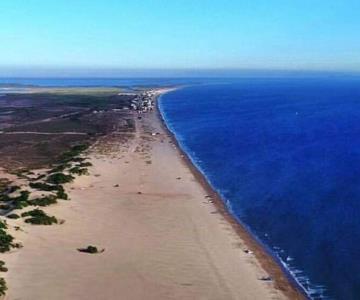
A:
163, 238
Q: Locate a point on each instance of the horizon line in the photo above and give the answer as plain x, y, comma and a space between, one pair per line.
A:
108, 72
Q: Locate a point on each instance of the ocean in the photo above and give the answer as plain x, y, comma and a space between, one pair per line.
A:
285, 156
284, 153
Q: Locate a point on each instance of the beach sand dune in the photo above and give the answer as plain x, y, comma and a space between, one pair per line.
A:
163, 238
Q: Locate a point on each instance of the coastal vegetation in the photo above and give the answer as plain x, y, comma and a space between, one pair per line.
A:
39, 217
6, 240
74, 119
43, 201
42, 186
54, 180
61, 194
2, 266
91, 250
60, 168
72, 154
3, 286
13, 216
20, 201
79, 171
59, 178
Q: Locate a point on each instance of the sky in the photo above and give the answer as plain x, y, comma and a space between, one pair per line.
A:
179, 34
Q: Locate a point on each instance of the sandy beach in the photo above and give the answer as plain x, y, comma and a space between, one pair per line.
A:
164, 237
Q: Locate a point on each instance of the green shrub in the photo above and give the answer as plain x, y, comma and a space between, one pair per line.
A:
73, 153
21, 201
3, 225
79, 171
67, 156
62, 195
4, 206
19, 204
42, 186
44, 201
59, 168
13, 216
91, 250
2, 266
39, 217
5, 241
24, 196
3, 287
59, 178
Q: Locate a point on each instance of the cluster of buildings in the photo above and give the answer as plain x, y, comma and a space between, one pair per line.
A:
144, 102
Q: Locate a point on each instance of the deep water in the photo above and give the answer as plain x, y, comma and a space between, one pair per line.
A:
285, 155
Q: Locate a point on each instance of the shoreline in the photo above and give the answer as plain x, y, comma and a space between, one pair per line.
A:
282, 281
163, 238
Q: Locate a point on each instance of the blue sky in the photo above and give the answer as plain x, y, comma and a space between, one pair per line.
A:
168, 34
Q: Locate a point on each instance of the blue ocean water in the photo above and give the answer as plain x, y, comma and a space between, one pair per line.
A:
285, 155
